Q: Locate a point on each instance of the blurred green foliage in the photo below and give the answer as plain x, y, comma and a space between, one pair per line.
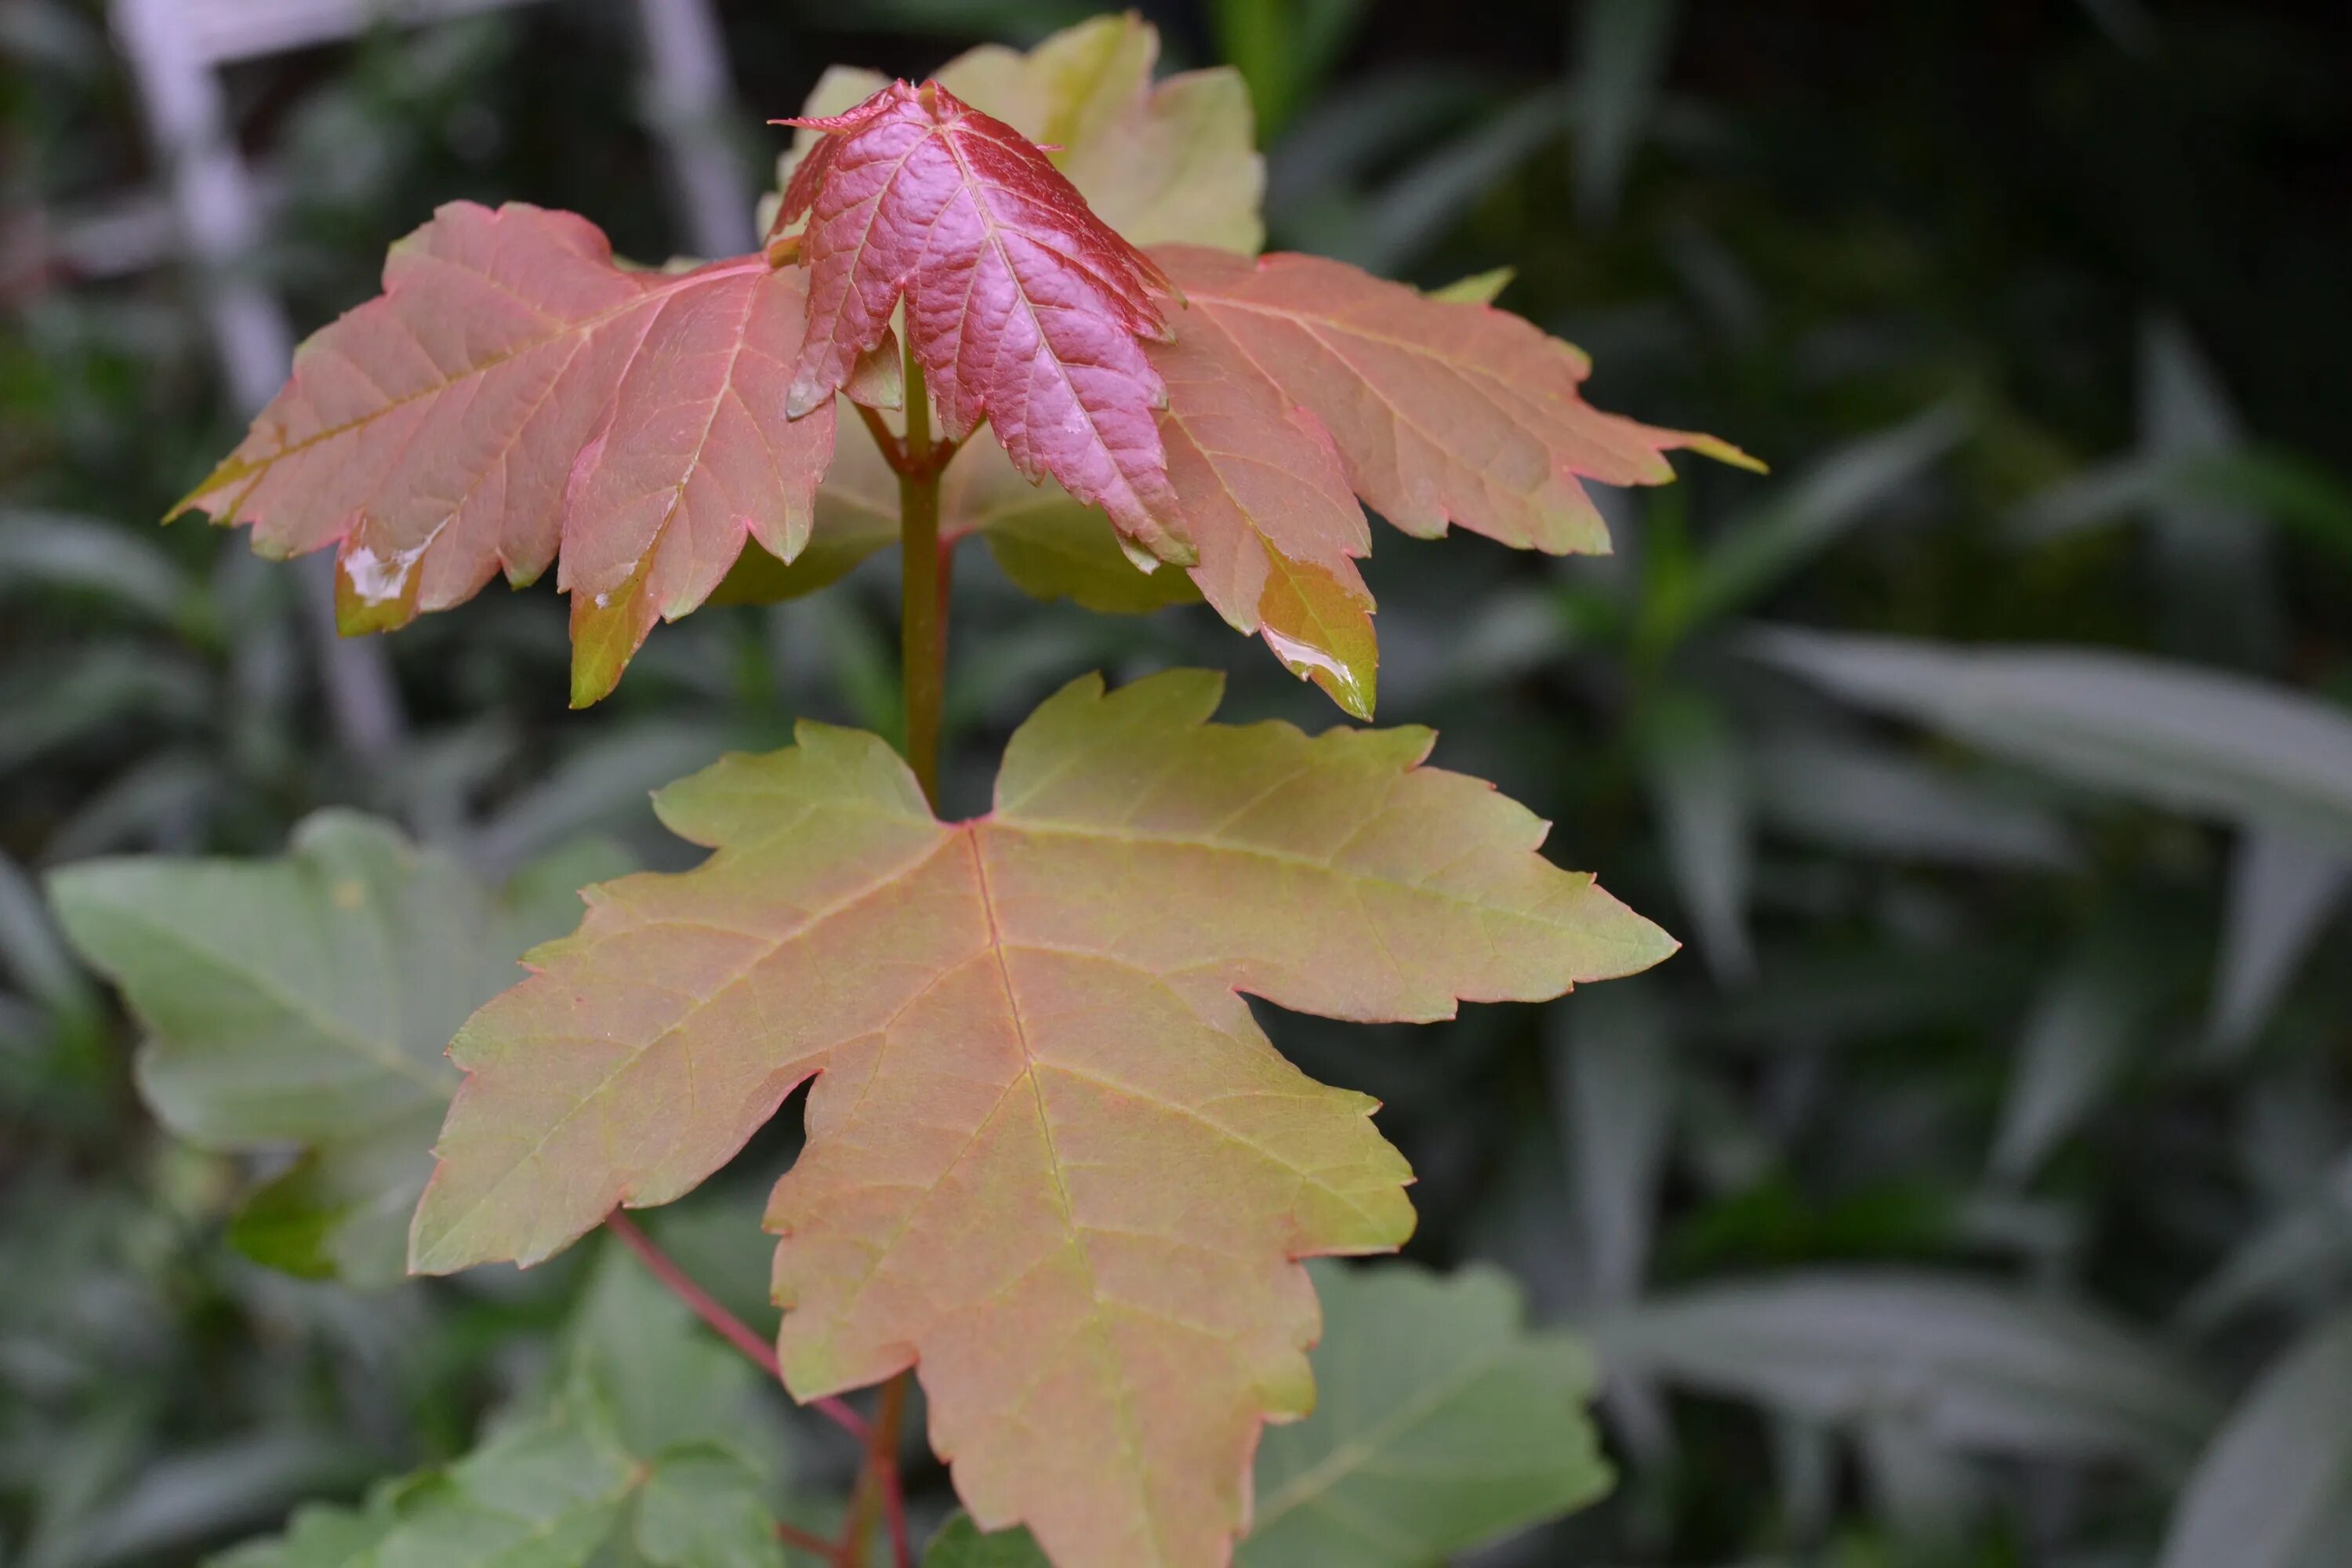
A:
1976, 1190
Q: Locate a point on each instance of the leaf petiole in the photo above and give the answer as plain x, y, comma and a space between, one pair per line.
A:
923, 568
729, 1327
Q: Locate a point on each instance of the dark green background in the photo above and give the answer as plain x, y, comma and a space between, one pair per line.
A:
2049, 246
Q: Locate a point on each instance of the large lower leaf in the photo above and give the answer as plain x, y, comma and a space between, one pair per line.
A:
636, 1459
308, 1002
1052, 1160
513, 391
1442, 1424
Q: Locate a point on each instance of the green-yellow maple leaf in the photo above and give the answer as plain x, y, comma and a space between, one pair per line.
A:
1053, 1162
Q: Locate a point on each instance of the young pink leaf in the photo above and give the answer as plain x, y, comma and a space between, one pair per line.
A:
1023, 307
1296, 384
1441, 411
514, 394
1266, 504
1052, 1160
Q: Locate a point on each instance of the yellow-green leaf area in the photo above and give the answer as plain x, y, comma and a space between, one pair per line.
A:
1053, 1162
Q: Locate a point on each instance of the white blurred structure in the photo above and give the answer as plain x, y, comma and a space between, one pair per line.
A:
177, 49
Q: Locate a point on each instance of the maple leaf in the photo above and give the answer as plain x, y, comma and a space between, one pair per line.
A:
1174, 159
1296, 384
1052, 1158
514, 393
1023, 307
1431, 404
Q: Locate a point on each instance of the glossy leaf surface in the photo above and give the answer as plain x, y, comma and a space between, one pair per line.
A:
1052, 1158
308, 1002
1023, 306
515, 394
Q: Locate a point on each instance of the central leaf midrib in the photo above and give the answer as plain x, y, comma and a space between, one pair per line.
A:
1121, 1396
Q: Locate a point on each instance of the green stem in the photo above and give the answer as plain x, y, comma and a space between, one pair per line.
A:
922, 675
923, 613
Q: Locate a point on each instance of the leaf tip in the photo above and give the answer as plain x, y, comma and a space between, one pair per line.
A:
1723, 451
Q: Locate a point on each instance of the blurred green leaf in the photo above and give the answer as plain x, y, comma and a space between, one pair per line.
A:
640, 1443
1756, 553
2283, 892
307, 1002
1869, 799
1972, 1367
2300, 1257
1614, 1075
961, 1544
2217, 590
1284, 48
1697, 780
46, 552
76, 698
1621, 52
2274, 1489
1925, 1492
1412, 212
1822, 993
2077, 1035
2173, 734
2300, 496
1441, 1423
179, 1501
33, 953
604, 784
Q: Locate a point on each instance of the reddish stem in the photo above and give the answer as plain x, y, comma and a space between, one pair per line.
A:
877, 1483
730, 1328
892, 1492
808, 1540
